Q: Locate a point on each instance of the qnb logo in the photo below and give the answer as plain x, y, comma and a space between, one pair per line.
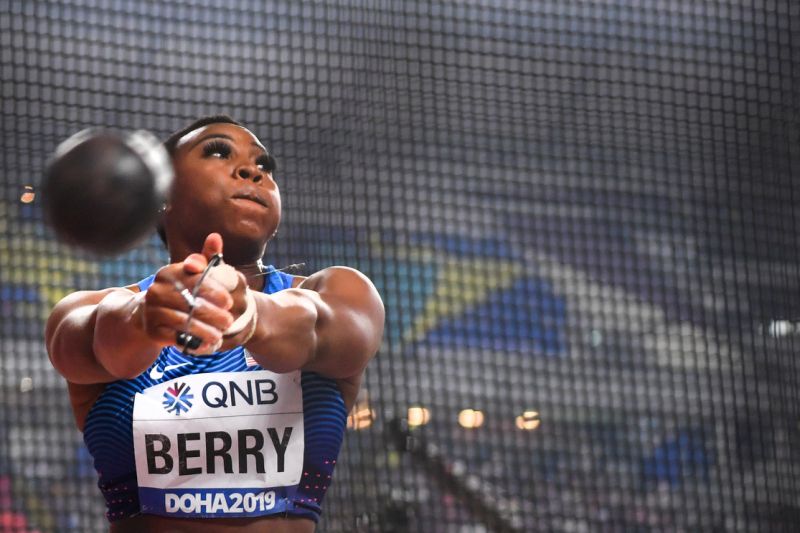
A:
177, 398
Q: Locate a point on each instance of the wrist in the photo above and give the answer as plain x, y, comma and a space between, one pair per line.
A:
244, 326
135, 312
120, 342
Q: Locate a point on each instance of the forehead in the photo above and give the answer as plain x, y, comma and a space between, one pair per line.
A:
238, 134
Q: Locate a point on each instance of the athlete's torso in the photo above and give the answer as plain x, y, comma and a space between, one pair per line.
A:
217, 437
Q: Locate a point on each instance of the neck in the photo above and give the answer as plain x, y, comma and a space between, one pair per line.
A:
255, 274
253, 269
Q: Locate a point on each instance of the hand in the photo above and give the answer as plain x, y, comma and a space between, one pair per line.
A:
236, 284
165, 310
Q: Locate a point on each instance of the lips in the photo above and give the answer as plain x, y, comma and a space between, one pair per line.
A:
252, 196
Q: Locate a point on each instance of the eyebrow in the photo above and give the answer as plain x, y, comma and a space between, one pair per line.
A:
223, 136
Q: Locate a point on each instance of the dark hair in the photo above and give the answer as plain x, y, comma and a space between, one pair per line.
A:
171, 144
172, 141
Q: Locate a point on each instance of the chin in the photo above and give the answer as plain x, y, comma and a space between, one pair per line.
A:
238, 250
244, 244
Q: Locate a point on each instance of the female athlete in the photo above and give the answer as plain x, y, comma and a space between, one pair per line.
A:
215, 400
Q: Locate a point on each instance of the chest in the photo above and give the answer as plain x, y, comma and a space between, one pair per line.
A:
216, 438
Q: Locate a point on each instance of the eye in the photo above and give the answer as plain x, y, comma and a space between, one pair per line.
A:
218, 149
266, 163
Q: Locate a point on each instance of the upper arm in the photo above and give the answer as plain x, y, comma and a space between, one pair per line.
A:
69, 335
349, 327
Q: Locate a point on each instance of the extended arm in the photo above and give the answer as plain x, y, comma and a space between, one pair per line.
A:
331, 324
102, 336
70, 335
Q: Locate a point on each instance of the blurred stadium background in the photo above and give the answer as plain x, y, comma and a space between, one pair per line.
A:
581, 216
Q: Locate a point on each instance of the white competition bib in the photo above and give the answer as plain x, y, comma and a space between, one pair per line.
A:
217, 437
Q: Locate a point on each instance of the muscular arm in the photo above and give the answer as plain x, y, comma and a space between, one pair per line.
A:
92, 337
332, 323
102, 336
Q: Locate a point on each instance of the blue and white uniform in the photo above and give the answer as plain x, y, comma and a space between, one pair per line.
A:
216, 436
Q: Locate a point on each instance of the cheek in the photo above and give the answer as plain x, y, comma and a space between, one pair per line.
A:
277, 200
276, 210
194, 186
185, 179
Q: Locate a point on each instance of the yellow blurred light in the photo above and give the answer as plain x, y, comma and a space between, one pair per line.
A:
360, 418
528, 420
418, 416
28, 196
470, 418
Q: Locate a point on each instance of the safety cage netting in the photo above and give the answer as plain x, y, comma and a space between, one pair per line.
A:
580, 216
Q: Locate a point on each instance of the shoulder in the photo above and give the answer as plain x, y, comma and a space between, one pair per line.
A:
336, 274
350, 323
343, 281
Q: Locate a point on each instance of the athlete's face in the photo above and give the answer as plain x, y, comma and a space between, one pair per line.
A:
224, 183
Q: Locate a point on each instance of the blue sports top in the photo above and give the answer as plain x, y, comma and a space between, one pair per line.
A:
216, 436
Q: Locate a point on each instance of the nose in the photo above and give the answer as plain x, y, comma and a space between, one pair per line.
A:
249, 172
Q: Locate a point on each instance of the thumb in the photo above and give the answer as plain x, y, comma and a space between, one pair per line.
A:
196, 263
212, 246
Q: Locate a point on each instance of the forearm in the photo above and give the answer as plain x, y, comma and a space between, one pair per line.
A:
332, 324
86, 332
120, 343
286, 336
101, 336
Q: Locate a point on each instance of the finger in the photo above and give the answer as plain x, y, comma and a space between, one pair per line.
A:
226, 275
195, 263
240, 302
199, 308
212, 246
176, 292
195, 345
165, 336
163, 323
212, 315
211, 290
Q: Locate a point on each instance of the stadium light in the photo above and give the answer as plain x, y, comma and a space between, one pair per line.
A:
418, 416
28, 195
781, 328
528, 421
360, 418
470, 418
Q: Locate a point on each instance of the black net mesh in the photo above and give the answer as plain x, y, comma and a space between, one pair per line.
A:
580, 215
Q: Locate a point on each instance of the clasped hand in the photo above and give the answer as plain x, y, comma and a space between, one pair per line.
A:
168, 303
